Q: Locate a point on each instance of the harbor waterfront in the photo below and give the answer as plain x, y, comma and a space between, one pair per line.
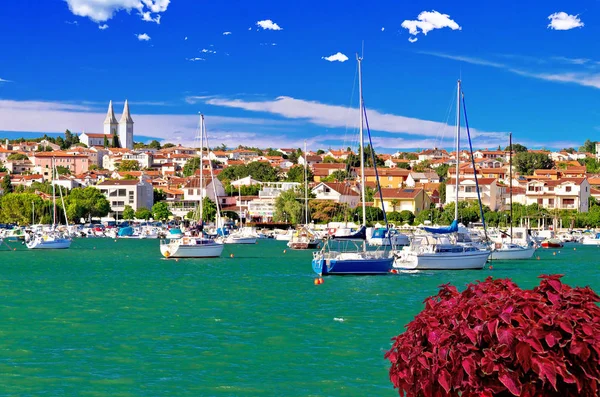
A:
112, 317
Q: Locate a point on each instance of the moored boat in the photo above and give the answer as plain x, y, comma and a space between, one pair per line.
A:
191, 247
552, 243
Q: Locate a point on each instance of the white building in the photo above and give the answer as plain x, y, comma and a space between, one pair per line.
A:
123, 129
422, 177
338, 192
264, 207
144, 159
565, 194
133, 192
490, 192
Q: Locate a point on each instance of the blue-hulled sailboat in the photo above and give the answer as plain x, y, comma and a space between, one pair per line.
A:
346, 255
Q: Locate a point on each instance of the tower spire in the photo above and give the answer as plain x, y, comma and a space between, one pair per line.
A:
126, 117
110, 115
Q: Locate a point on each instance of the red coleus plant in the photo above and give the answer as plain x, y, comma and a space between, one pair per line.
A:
495, 339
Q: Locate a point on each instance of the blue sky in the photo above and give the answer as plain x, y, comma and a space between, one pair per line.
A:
267, 84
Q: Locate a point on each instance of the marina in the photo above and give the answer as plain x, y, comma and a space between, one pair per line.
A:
113, 317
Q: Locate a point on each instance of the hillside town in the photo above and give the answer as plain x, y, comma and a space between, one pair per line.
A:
136, 176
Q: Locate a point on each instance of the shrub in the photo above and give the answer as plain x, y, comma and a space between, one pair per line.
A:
495, 339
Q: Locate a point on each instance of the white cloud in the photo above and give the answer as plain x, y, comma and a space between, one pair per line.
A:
382, 29
103, 27
412, 39
195, 59
226, 33
72, 22
339, 57
428, 21
4, 81
143, 37
207, 51
185, 38
250, 28
563, 21
267, 24
341, 117
146, 16
103, 10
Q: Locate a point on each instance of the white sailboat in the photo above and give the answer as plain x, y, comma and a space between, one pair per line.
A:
195, 246
507, 250
53, 238
349, 254
304, 238
439, 248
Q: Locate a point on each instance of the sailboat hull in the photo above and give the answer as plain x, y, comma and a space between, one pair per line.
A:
437, 261
190, 248
41, 244
357, 266
512, 254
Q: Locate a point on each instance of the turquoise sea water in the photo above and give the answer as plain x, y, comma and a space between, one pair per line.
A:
110, 318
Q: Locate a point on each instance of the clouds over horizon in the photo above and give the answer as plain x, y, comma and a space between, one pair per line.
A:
103, 10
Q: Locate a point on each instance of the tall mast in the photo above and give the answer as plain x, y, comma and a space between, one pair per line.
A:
510, 182
362, 143
305, 187
457, 147
53, 197
201, 173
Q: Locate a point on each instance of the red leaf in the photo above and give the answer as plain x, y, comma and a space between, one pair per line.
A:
505, 335
545, 369
555, 283
469, 366
552, 338
471, 335
580, 349
511, 380
552, 297
524, 355
445, 380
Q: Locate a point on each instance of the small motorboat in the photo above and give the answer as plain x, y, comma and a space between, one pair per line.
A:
552, 243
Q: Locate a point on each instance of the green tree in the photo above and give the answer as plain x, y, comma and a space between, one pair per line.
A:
320, 152
105, 141
407, 216
591, 165
128, 212
68, 141
588, 147
18, 207
129, 165
61, 170
168, 145
296, 174
93, 167
143, 213
7, 186
154, 144
161, 211
159, 195
442, 192
115, 141
17, 156
288, 208
442, 171
191, 166
337, 176
209, 210
373, 214
516, 147
86, 203
526, 162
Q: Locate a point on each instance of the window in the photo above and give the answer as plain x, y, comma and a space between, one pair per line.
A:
551, 201
567, 188
550, 188
122, 192
469, 189
540, 201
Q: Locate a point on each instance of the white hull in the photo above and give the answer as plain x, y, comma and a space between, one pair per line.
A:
590, 241
283, 237
442, 261
189, 249
39, 243
512, 254
240, 240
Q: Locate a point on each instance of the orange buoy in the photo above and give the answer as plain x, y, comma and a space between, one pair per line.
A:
231, 255
554, 253
538, 258
284, 251
317, 282
14, 249
491, 267
321, 281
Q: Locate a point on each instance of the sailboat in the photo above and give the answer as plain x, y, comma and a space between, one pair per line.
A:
303, 238
348, 254
435, 250
195, 246
52, 239
243, 235
507, 250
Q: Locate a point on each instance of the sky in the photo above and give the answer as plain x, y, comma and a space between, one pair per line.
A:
277, 74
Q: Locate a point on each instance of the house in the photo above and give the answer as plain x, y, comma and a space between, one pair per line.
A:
247, 181
498, 173
547, 174
574, 172
16, 167
420, 178
490, 154
338, 154
136, 193
490, 192
90, 139
565, 193
44, 161
219, 155
339, 192
388, 177
413, 200
432, 154
394, 162
262, 209
323, 170
310, 160
144, 159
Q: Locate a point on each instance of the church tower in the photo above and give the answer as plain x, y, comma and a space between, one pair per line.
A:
110, 122
126, 128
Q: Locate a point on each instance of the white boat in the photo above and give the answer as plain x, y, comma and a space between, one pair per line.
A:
285, 235
349, 254
436, 250
379, 238
240, 237
53, 238
511, 251
591, 240
195, 247
191, 247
